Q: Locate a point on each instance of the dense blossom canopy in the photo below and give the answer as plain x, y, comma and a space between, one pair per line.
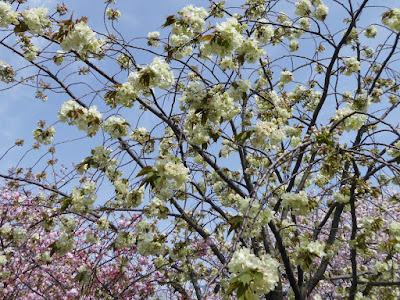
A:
245, 150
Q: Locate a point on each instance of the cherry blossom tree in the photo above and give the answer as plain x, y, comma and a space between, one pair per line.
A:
245, 150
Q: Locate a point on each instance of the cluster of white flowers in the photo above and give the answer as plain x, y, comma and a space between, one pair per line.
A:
121, 186
157, 208
173, 170
264, 216
82, 199
250, 50
363, 100
394, 228
305, 23
385, 269
44, 135
353, 35
102, 223
91, 238
300, 203
395, 150
341, 198
243, 261
116, 127
353, 122
192, 21
229, 63
36, 19
272, 102
145, 239
6, 72
303, 8
3, 259
81, 38
7, 15
184, 28
68, 224
124, 61
321, 11
85, 119
309, 250
226, 39
392, 19
124, 95
239, 88
140, 135
217, 106
124, 240
19, 235
155, 74
59, 57
294, 46
64, 244
153, 39
31, 52
100, 159
270, 130
173, 176
371, 32
113, 14
263, 33
286, 77
352, 65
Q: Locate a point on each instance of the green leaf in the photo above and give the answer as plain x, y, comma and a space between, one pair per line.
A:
246, 278
235, 223
67, 201
258, 275
53, 247
145, 171
170, 20
243, 136
233, 286
241, 291
21, 27
240, 59
249, 295
207, 37
145, 79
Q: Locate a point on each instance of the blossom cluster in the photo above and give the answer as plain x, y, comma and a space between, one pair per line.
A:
85, 119
350, 119
7, 15
227, 38
243, 261
36, 19
299, 203
392, 19
270, 130
81, 38
173, 176
208, 108
82, 199
352, 65
155, 74
116, 127
184, 29
44, 135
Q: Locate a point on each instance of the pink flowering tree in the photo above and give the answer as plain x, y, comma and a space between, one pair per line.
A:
246, 150
50, 255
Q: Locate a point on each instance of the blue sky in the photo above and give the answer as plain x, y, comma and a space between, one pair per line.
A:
20, 111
